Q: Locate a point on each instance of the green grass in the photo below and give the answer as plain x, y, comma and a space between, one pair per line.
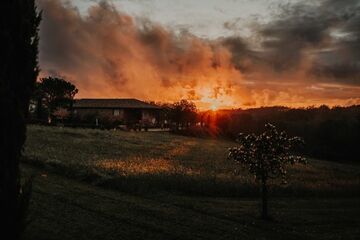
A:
92, 184
152, 162
62, 208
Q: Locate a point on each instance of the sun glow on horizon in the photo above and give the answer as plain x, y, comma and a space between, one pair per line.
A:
214, 107
214, 99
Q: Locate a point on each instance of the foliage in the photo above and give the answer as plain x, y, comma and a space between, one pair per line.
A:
19, 23
37, 100
61, 113
182, 113
330, 133
54, 93
266, 156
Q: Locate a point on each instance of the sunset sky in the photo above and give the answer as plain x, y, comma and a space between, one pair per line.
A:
219, 54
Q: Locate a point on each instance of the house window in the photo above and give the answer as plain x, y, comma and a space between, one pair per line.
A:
116, 112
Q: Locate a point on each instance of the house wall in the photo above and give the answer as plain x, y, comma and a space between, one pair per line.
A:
106, 113
149, 116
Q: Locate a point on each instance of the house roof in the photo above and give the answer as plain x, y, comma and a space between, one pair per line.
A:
113, 103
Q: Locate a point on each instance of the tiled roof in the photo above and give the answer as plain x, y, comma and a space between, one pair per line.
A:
113, 103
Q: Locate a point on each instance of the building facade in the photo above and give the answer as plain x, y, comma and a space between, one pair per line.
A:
124, 111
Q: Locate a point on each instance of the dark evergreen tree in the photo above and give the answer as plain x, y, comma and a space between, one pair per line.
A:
19, 23
37, 99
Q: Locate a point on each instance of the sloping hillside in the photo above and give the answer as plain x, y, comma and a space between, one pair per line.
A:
92, 184
133, 161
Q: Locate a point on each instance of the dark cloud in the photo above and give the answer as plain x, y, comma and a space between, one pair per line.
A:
233, 25
242, 56
108, 53
314, 34
319, 40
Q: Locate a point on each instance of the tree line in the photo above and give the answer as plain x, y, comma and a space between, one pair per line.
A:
329, 133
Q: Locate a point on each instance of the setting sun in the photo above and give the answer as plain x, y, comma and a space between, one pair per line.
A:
215, 99
214, 107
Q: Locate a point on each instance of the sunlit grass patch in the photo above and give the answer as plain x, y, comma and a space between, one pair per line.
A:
137, 166
162, 161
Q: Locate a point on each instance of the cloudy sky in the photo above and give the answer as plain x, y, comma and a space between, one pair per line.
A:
205, 18
229, 53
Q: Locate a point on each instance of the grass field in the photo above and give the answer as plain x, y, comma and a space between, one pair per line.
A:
132, 161
94, 184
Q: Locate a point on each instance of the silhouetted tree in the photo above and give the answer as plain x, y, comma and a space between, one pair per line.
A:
183, 112
55, 93
266, 156
330, 133
37, 100
19, 23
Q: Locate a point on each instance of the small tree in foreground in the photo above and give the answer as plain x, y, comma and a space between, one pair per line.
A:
266, 156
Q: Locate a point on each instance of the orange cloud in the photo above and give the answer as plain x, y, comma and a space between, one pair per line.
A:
110, 54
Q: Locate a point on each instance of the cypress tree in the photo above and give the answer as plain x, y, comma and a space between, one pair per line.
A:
19, 22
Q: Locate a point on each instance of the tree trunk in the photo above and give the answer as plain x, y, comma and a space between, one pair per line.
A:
39, 108
264, 199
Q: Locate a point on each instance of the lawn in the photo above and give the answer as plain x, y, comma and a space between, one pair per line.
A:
148, 161
62, 208
93, 184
